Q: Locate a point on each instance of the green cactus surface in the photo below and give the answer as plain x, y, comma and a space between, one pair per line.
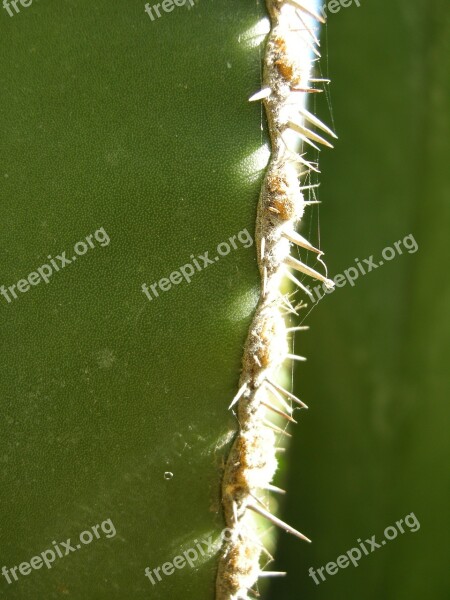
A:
114, 406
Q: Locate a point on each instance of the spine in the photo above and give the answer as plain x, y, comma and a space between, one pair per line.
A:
291, 50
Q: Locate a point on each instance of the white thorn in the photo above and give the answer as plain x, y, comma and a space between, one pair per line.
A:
307, 40
264, 93
295, 157
275, 428
276, 410
276, 521
286, 393
299, 283
288, 305
258, 500
298, 131
308, 29
296, 357
299, 158
298, 239
317, 122
309, 187
273, 488
307, 90
241, 391
299, 266
304, 132
308, 11
278, 396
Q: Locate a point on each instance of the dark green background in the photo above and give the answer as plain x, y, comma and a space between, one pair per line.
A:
374, 445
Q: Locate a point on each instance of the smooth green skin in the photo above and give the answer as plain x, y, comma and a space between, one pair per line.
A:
111, 120
374, 446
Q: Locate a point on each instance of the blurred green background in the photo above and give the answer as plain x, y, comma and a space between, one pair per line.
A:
374, 445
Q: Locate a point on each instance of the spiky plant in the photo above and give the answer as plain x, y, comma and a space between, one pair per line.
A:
123, 343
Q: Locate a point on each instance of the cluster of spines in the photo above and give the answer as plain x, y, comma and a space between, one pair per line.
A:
252, 461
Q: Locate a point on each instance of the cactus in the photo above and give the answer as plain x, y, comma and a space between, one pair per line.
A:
251, 465
144, 287
120, 178
116, 183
